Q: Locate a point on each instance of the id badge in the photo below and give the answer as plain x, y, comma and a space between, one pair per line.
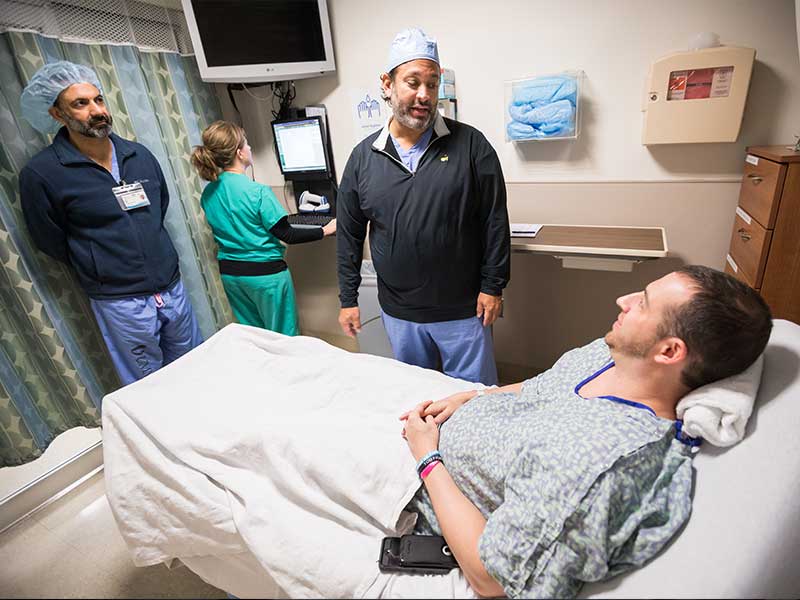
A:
131, 196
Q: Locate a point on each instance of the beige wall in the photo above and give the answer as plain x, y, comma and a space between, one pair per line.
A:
605, 177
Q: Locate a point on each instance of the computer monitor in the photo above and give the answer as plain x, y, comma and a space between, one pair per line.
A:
250, 41
300, 146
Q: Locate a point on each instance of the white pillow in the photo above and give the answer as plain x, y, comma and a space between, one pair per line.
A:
718, 412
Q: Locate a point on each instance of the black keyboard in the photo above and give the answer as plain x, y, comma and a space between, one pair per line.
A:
309, 219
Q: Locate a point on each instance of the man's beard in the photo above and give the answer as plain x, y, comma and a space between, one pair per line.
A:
627, 348
403, 114
96, 127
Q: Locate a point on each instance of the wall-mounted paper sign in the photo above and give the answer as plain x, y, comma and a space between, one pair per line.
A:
369, 112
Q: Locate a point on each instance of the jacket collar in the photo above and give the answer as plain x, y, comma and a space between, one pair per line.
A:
69, 155
440, 129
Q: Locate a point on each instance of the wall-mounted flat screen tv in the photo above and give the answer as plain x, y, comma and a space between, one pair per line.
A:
248, 41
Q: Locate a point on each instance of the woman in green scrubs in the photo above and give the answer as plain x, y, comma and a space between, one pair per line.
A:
249, 225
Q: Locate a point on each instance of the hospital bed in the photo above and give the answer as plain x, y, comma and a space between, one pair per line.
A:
197, 459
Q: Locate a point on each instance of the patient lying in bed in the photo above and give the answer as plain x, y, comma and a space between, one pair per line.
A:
581, 473
572, 476
572, 489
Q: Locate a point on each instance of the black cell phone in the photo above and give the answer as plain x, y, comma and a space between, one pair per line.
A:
428, 554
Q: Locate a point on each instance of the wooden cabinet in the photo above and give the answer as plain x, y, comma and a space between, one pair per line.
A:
765, 242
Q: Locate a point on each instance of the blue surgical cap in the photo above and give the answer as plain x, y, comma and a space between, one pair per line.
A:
411, 44
45, 86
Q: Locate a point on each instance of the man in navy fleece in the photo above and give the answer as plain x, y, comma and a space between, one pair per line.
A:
97, 202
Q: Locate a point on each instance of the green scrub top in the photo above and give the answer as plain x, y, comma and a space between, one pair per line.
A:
241, 212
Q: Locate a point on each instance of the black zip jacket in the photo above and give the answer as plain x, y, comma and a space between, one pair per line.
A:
73, 215
438, 236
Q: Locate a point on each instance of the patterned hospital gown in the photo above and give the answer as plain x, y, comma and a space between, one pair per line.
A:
573, 489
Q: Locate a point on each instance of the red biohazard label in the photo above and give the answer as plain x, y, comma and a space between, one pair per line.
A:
677, 85
699, 84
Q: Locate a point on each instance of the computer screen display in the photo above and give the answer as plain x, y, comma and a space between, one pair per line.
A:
249, 32
240, 41
300, 146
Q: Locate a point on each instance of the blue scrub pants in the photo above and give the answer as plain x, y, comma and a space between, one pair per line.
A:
144, 333
464, 345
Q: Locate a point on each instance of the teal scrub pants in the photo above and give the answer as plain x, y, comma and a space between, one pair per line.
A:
265, 301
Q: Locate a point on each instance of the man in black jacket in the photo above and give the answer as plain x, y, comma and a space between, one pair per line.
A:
97, 202
433, 193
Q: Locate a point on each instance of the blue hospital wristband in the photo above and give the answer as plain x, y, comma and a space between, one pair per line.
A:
428, 459
428, 455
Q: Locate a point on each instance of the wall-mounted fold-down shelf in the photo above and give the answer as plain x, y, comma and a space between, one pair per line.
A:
597, 247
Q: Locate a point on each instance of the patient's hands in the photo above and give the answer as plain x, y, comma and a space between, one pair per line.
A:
443, 409
422, 422
421, 432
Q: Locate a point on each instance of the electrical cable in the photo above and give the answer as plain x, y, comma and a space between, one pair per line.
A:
275, 114
285, 99
243, 86
286, 196
252, 95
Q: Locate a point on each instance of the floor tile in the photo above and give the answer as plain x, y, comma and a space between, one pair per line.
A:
158, 582
24, 534
72, 549
83, 519
78, 506
35, 563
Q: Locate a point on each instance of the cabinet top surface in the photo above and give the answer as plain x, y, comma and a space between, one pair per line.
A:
776, 153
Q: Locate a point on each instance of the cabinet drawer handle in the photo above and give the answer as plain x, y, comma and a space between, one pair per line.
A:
743, 233
756, 179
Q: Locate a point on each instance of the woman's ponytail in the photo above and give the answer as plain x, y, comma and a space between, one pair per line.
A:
203, 161
221, 140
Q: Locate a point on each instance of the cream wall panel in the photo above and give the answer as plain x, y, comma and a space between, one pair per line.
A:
613, 41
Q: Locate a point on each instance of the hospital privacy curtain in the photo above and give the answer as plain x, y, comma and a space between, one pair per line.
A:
54, 366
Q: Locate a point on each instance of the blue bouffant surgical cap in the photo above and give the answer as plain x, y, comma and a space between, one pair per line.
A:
45, 86
411, 44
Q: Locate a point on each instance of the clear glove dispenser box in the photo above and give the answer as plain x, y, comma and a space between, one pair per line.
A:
545, 107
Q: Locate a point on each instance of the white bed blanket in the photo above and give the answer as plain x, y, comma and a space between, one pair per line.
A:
288, 448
